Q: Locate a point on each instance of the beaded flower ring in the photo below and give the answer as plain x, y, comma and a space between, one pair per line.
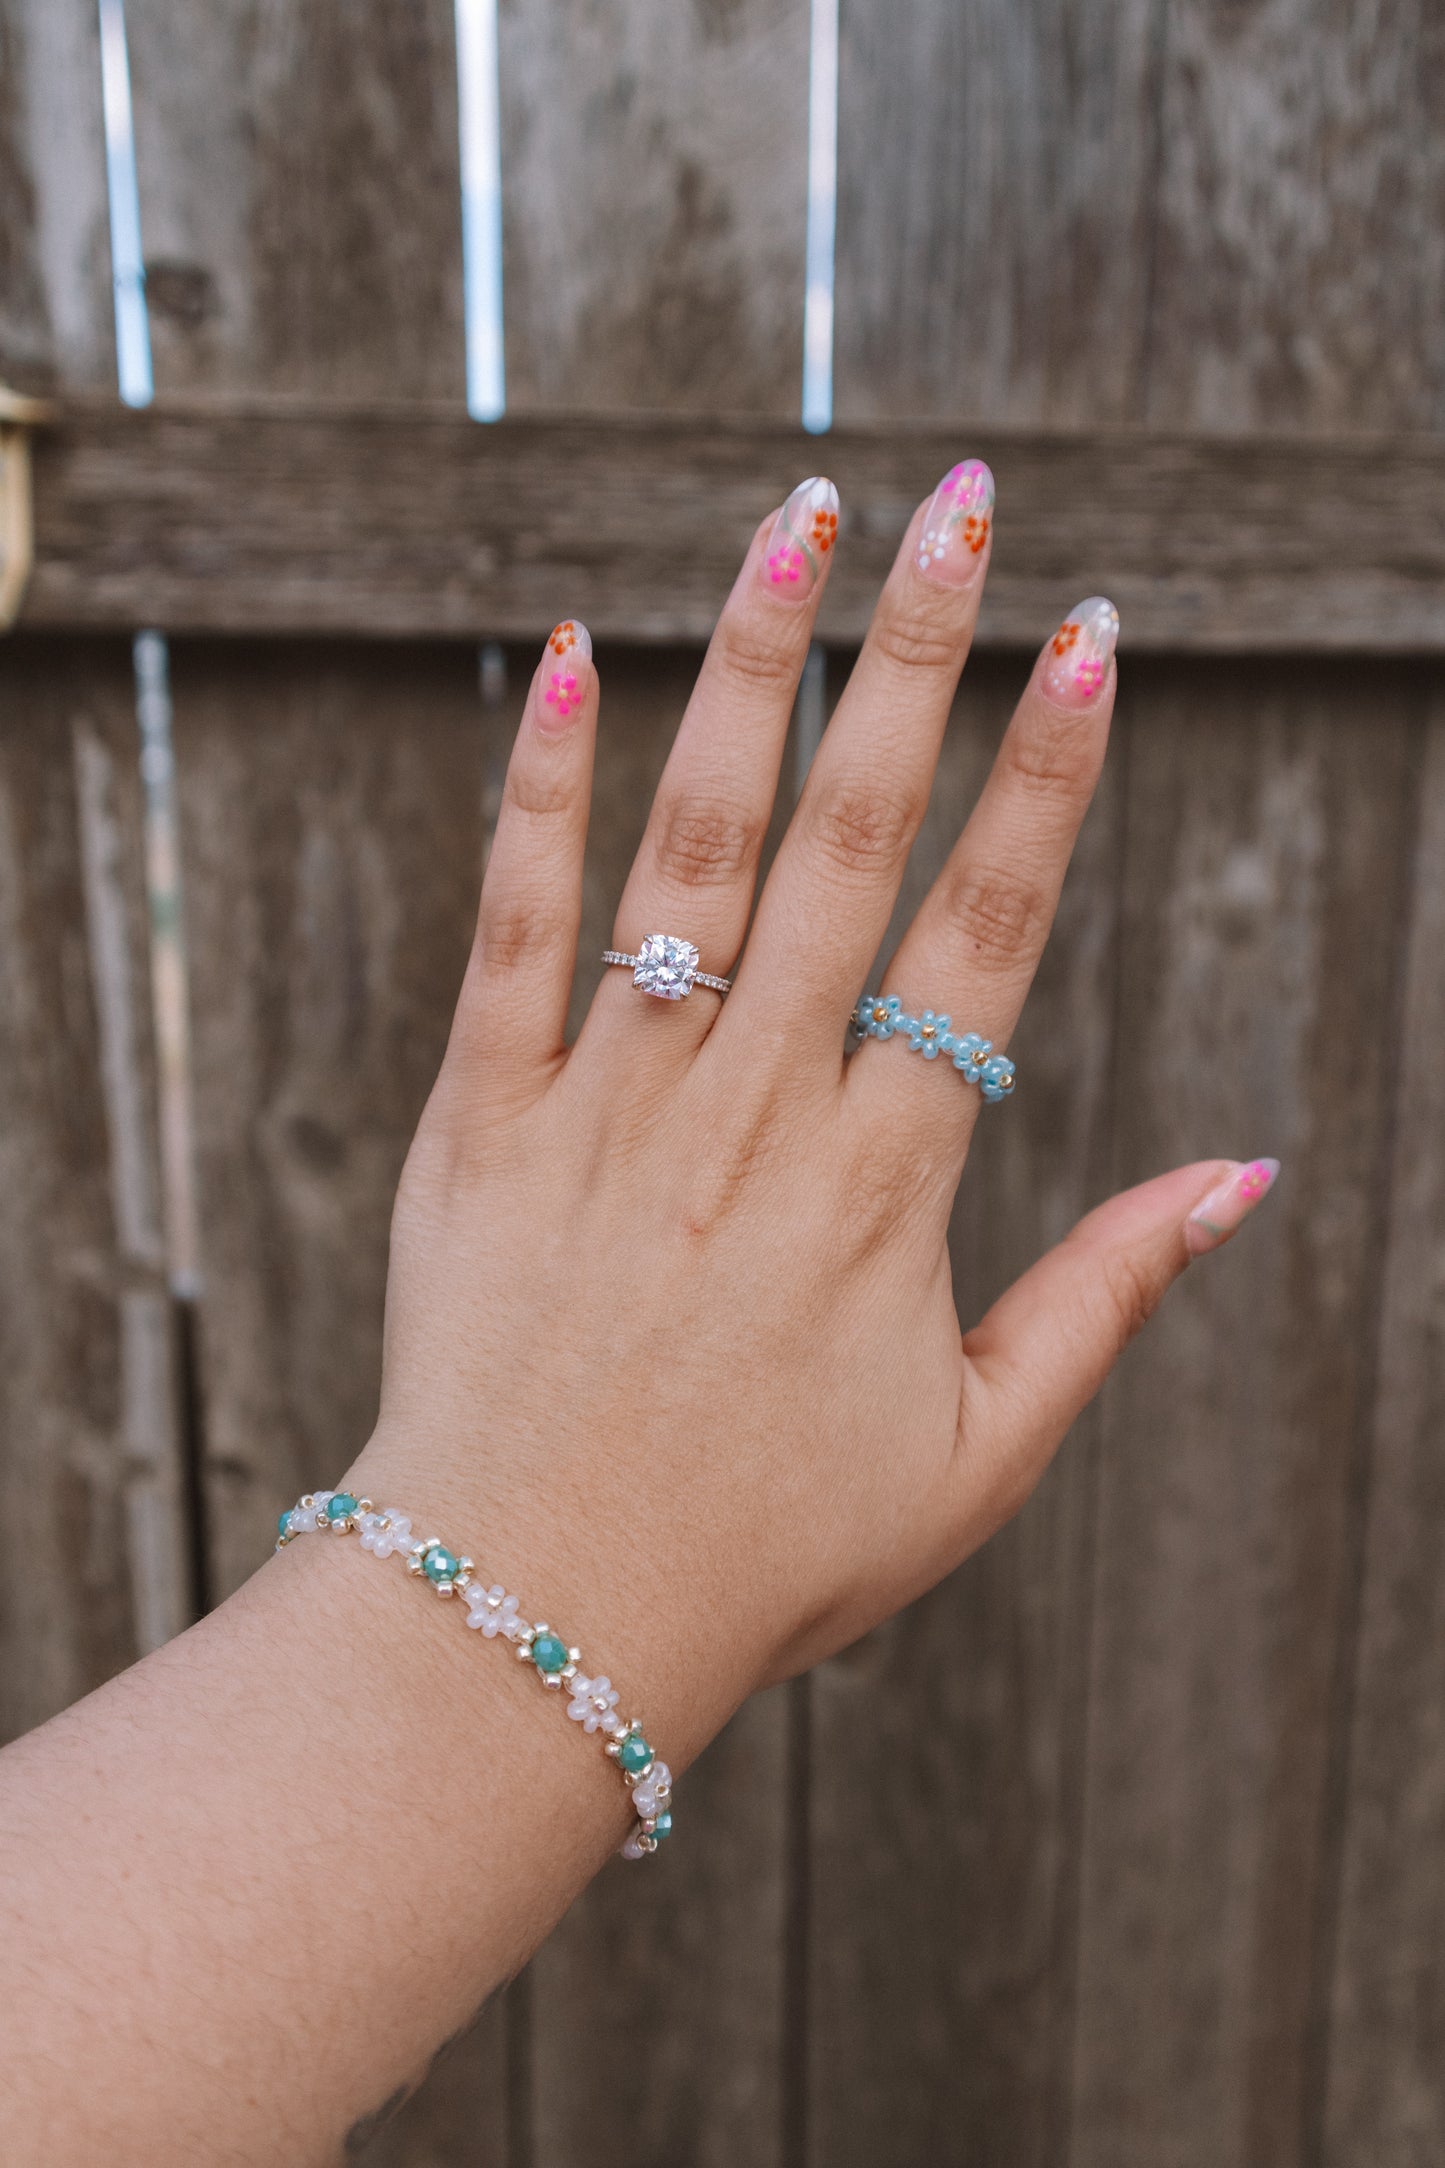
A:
882, 1016
592, 1703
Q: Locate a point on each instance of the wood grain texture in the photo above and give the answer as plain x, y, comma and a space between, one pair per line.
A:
655, 174
412, 522
1300, 258
331, 808
56, 321
946, 1749
89, 1454
1383, 2095
300, 196
996, 166
1268, 827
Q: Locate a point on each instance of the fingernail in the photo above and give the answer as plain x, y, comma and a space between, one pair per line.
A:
1076, 660
803, 534
1216, 1216
956, 526
566, 660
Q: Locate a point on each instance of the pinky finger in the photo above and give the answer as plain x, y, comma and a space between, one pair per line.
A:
1042, 1352
512, 1013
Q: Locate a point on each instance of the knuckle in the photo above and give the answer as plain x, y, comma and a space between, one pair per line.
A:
856, 828
911, 643
1056, 763
699, 846
1132, 1293
755, 654
512, 934
539, 795
1000, 915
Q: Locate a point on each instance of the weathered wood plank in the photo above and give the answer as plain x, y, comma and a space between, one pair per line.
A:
411, 522
1299, 271
1268, 824
300, 196
89, 1448
56, 323
655, 177
331, 806
1383, 2099
994, 208
946, 1749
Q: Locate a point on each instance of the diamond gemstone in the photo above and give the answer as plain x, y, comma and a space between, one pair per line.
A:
665, 966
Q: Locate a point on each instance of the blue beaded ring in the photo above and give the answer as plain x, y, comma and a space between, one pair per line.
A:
881, 1016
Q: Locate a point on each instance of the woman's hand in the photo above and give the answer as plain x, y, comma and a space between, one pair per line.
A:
671, 1350
671, 1342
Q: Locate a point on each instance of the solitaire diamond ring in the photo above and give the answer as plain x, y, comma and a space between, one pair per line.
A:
667, 967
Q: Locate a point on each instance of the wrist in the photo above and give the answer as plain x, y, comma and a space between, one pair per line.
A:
663, 1637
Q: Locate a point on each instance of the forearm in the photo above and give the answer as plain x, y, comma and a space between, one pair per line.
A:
259, 1879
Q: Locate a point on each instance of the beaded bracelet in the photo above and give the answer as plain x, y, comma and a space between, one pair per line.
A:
592, 1703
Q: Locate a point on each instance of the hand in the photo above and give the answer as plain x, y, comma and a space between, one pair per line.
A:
671, 1343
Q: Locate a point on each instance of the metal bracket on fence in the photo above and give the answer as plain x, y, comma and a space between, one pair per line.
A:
18, 416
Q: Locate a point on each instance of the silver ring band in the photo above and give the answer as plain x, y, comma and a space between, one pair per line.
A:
666, 967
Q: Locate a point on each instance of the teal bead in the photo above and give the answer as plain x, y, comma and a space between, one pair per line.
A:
338, 1507
283, 1526
662, 1827
439, 1565
635, 1754
548, 1653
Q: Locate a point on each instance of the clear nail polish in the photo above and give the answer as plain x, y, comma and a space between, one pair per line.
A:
1076, 660
1215, 1218
956, 525
802, 538
566, 660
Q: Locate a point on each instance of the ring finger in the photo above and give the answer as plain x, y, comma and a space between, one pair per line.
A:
697, 863
966, 963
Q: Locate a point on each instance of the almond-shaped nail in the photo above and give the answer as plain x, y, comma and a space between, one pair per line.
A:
1215, 1218
803, 535
566, 660
956, 525
1076, 660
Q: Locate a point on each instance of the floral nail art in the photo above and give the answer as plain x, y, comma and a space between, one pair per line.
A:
565, 661
956, 525
802, 537
1216, 1217
1076, 661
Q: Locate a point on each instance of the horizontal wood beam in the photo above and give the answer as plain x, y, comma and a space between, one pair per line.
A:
419, 522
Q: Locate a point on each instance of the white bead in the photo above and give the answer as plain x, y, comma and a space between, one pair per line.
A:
645, 1791
634, 1848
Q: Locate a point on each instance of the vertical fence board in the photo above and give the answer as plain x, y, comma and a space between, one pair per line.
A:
944, 1748
994, 194
56, 323
1300, 274
654, 162
1263, 807
300, 200
1385, 2096
89, 1456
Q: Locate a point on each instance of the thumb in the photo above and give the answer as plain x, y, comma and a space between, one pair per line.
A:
1047, 1345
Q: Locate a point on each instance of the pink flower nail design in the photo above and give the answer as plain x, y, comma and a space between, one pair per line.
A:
1216, 1217
956, 525
802, 538
566, 660
1076, 660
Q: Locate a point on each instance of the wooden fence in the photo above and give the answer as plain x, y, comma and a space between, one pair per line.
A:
1126, 1849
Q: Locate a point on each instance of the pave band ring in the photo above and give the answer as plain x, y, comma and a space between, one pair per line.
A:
882, 1016
666, 967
